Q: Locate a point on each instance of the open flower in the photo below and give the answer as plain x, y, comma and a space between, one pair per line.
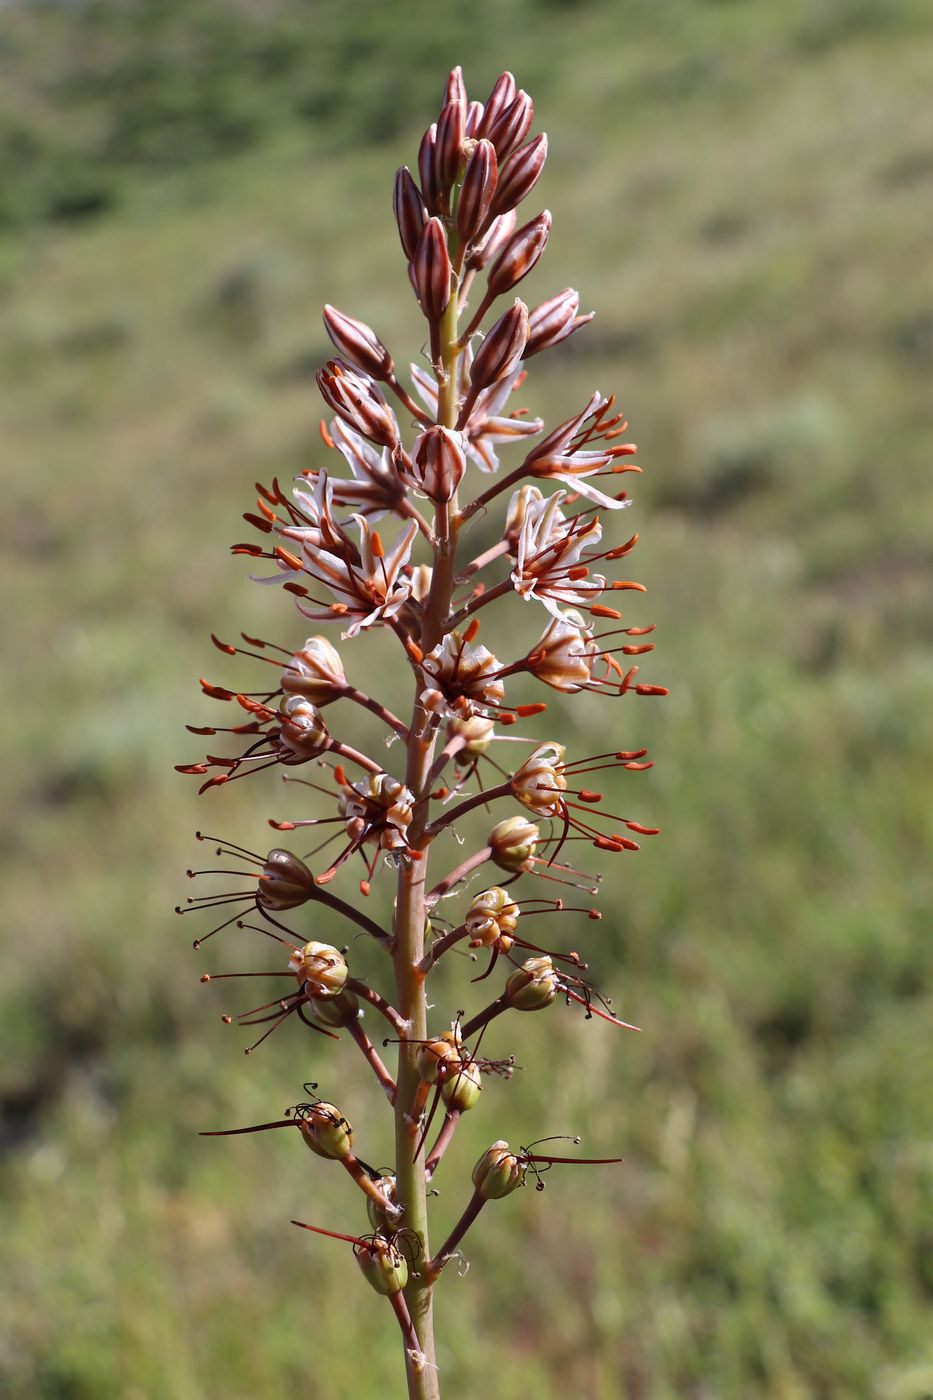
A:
548, 563
562, 454
463, 678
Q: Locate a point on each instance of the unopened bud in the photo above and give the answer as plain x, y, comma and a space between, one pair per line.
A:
473, 118
358, 342
519, 174
449, 144
326, 1131
539, 782
315, 672
285, 882
410, 213
501, 96
511, 127
336, 1011
477, 190
520, 254
502, 348
492, 917
386, 1185
383, 1265
493, 240
553, 321
462, 1089
319, 967
302, 729
358, 402
513, 843
498, 1172
455, 88
436, 1058
533, 986
432, 270
478, 731
438, 463
427, 167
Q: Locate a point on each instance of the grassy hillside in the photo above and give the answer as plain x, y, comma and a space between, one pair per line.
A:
742, 191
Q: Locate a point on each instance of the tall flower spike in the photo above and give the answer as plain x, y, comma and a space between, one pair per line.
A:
414, 523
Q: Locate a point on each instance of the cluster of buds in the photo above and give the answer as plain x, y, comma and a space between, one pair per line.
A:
379, 536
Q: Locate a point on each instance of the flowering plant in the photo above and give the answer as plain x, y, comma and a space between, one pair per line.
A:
414, 576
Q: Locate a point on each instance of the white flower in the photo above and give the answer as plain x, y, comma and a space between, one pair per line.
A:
548, 557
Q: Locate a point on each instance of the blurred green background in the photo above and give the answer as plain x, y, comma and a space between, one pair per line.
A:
743, 190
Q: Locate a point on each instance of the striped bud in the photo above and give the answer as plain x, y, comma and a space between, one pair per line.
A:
473, 118
319, 967
493, 240
462, 1090
438, 463
326, 1131
358, 402
553, 321
455, 88
477, 190
410, 213
449, 145
337, 1011
533, 986
519, 174
510, 129
501, 96
498, 1172
427, 167
316, 672
285, 882
358, 342
302, 729
520, 254
383, 1265
432, 270
513, 843
502, 348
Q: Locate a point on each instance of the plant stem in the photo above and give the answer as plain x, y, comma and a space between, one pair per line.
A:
411, 914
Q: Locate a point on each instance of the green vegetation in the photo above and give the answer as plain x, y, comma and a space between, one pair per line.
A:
743, 190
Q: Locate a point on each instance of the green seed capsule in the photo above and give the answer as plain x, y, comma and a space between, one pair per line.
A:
438, 1057
320, 967
340, 1010
387, 1186
513, 843
462, 1090
384, 1265
326, 1131
498, 1172
533, 986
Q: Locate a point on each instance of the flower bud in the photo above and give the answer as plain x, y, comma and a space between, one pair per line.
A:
553, 321
432, 270
383, 1265
533, 986
513, 843
498, 1172
474, 116
449, 144
336, 1011
302, 728
540, 780
520, 254
477, 190
519, 174
285, 882
501, 96
502, 348
410, 213
435, 1059
319, 967
525, 496
478, 731
358, 402
462, 1089
358, 342
493, 240
511, 127
455, 88
427, 167
421, 576
492, 916
387, 1186
326, 1131
438, 463
316, 672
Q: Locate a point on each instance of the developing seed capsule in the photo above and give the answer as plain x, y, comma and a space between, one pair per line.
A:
383, 1265
498, 1172
285, 882
513, 843
436, 1059
462, 1089
492, 918
478, 731
315, 672
386, 1185
320, 968
303, 730
326, 1131
533, 986
337, 1011
539, 782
